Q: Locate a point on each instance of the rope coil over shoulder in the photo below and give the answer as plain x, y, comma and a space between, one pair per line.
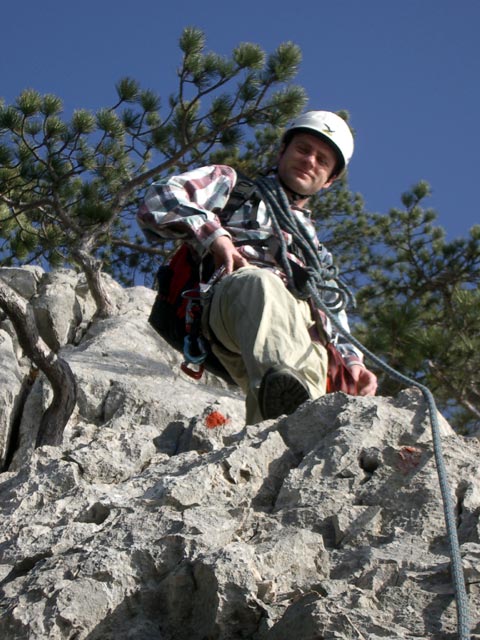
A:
331, 295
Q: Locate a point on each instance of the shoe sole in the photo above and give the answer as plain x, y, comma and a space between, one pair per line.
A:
281, 392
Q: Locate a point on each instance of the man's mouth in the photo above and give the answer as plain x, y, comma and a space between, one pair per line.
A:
302, 173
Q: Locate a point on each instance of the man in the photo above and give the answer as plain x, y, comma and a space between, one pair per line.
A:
259, 329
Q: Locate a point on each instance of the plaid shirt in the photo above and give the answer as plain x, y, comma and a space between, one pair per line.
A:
186, 207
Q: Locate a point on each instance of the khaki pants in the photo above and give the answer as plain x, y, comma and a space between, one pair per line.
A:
259, 323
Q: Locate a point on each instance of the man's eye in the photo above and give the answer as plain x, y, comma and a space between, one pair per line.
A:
322, 160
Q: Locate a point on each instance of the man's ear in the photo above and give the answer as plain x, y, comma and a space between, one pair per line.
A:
331, 180
281, 151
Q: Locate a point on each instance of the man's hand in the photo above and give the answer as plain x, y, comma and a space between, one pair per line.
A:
365, 379
225, 254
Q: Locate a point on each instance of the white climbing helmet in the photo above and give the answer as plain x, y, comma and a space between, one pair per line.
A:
331, 128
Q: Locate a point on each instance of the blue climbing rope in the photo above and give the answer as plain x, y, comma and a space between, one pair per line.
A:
331, 295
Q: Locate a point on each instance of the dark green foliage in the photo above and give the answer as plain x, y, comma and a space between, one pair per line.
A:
420, 303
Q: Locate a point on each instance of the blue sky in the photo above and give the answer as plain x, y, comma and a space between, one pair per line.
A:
407, 71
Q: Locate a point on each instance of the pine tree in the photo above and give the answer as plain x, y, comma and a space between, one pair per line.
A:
69, 188
419, 305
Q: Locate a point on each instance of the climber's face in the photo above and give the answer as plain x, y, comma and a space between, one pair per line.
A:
306, 164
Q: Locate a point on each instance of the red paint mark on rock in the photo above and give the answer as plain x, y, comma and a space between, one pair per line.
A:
409, 459
216, 419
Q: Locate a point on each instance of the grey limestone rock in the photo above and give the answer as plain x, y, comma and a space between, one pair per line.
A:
162, 516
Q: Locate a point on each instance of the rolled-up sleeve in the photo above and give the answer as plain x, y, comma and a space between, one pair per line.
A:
186, 206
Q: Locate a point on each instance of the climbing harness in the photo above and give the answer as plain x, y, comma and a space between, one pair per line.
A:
322, 279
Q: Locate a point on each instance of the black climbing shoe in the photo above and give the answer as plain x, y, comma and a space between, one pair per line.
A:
282, 391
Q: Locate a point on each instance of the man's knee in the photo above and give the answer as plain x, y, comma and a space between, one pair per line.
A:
252, 285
